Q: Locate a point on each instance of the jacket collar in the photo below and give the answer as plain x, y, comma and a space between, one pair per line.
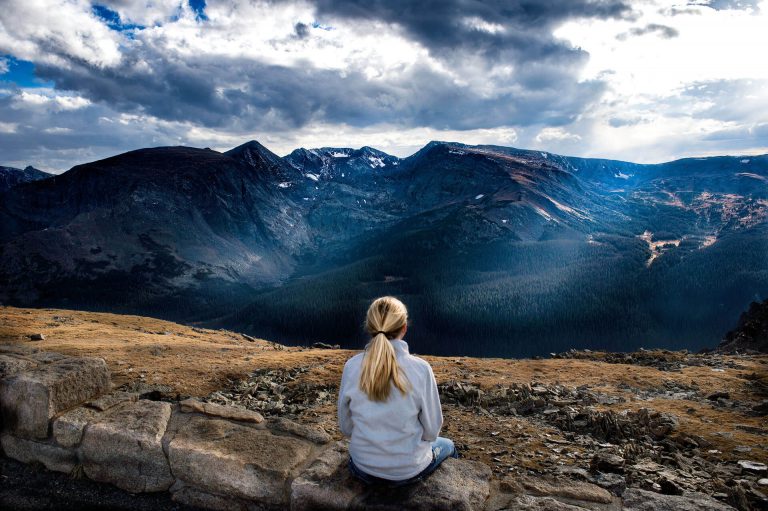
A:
400, 345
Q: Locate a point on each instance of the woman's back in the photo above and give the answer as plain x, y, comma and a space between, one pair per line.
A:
391, 439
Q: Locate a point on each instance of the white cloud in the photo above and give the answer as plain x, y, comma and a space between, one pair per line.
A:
145, 12
8, 127
555, 135
4, 66
51, 99
52, 31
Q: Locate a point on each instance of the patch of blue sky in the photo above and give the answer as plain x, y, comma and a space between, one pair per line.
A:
317, 24
199, 7
20, 73
112, 19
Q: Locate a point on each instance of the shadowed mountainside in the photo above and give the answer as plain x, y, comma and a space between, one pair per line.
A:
496, 250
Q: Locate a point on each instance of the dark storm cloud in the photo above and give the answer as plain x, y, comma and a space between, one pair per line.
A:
281, 98
445, 26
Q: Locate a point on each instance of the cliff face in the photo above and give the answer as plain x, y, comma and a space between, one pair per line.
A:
751, 334
591, 429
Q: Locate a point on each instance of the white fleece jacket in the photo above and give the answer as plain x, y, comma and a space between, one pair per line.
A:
391, 439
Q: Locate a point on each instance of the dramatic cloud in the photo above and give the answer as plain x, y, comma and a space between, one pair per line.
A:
106, 76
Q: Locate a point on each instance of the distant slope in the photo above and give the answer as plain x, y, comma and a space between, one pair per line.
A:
496, 250
178, 230
10, 176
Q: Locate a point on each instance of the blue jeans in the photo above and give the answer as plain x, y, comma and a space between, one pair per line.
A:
442, 448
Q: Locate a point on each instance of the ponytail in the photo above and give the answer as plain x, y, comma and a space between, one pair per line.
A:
386, 317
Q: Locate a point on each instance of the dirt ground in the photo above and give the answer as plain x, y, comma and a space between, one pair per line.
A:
196, 362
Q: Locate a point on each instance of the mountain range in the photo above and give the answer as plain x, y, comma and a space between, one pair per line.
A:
497, 251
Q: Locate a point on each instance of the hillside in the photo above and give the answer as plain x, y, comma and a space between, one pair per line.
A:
674, 421
490, 246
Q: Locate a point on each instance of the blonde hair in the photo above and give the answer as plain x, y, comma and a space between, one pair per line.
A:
385, 319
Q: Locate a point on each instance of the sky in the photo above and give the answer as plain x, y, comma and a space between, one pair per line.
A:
644, 81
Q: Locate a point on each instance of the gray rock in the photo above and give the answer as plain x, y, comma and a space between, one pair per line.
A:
314, 434
37, 337
18, 349
607, 462
124, 447
29, 400
532, 503
46, 357
58, 459
68, 427
10, 365
115, 398
565, 489
239, 460
752, 467
327, 484
642, 500
225, 412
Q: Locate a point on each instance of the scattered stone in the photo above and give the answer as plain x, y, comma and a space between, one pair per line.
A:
752, 467
248, 338
614, 483
607, 462
28, 401
565, 488
642, 500
37, 337
123, 447
327, 484
225, 412
325, 346
762, 482
719, 395
242, 461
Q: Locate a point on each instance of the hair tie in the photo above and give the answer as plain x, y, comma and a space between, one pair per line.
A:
380, 332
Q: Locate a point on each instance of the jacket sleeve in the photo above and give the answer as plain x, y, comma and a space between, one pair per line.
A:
343, 413
431, 414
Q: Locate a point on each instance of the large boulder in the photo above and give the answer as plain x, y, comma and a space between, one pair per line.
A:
29, 400
327, 485
123, 446
10, 365
229, 460
643, 500
56, 458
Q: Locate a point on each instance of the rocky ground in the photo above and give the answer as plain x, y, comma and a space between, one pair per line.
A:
668, 423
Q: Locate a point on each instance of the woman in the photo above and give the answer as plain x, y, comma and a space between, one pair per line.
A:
389, 405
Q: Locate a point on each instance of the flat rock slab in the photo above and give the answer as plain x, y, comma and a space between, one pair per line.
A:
110, 400
565, 489
642, 500
457, 485
124, 447
237, 460
58, 459
29, 400
314, 434
192, 405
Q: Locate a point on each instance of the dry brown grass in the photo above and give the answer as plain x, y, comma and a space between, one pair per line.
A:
197, 362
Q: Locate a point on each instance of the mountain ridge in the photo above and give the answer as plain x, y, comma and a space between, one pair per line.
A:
489, 243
